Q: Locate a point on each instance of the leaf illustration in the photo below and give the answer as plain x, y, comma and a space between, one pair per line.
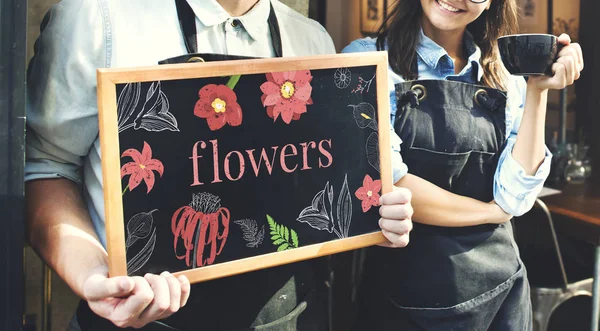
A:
316, 215
140, 259
344, 209
155, 115
251, 233
294, 238
372, 147
138, 227
364, 115
280, 235
127, 103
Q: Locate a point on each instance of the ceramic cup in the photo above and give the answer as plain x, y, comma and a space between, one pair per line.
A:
529, 54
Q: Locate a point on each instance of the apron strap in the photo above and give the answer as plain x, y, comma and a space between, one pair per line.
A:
187, 23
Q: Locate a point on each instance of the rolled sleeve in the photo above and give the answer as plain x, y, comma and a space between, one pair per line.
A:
515, 191
399, 168
62, 122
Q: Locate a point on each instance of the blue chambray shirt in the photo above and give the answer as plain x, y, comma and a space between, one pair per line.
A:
514, 191
80, 36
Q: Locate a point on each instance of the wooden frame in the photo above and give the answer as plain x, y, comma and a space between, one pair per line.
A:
372, 13
109, 139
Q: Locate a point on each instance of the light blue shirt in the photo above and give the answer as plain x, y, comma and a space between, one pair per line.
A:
80, 36
514, 191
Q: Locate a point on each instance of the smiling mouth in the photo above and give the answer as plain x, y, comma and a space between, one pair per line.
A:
447, 7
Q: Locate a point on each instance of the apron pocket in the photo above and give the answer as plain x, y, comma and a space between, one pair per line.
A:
468, 173
472, 315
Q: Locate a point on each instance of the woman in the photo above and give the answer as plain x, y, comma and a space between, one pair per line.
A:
473, 140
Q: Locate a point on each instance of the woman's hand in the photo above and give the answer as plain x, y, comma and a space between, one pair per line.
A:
135, 301
396, 212
566, 69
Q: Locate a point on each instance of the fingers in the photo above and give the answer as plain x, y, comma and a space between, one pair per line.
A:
142, 297
98, 287
400, 195
395, 240
395, 226
185, 289
396, 212
564, 39
174, 291
160, 303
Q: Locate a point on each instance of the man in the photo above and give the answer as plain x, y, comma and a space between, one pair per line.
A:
63, 171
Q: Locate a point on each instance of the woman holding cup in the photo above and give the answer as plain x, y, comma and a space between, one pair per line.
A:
473, 140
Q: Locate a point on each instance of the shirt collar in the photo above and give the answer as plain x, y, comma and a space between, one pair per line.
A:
210, 13
431, 53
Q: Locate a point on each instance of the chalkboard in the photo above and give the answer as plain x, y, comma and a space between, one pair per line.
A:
215, 169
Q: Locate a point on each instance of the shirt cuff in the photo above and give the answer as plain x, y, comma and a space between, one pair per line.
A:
399, 168
49, 169
515, 191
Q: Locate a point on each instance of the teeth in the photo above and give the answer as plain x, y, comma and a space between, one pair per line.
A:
446, 6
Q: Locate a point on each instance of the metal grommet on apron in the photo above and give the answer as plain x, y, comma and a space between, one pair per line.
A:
420, 90
481, 94
196, 59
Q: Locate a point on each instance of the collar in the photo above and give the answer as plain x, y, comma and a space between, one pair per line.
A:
431, 53
210, 13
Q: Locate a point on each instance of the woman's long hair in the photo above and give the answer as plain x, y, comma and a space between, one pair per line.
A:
401, 31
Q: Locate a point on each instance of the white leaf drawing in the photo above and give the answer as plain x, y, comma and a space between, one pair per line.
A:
317, 215
139, 227
372, 147
251, 233
344, 209
127, 103
342, 78
364, 115
140, 259
155, 115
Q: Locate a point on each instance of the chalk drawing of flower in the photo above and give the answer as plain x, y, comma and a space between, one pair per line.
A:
287, 94
342, 78
369, 193
218, 105
142, 168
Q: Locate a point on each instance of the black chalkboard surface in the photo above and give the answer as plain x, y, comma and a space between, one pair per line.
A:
215, 169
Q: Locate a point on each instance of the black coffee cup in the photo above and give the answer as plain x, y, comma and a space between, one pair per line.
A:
529, 54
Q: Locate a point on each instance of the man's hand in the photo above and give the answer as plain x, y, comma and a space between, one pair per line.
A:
135, 301
396, 212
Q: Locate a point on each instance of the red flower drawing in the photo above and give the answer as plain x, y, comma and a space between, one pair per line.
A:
287, 94
218, 104
369, 193
142, 167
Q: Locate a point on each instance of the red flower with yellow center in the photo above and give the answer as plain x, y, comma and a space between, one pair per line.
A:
218, 105
141, 168
287, 94
369, 193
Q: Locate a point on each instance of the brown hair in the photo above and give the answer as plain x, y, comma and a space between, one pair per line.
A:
401, 32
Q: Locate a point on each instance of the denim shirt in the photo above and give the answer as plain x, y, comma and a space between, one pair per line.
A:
78, 37
514, 191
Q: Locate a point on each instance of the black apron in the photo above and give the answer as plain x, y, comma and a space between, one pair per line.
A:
468, 278
291, 297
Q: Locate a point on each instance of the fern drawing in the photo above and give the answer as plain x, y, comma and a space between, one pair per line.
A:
251, 233
281, 236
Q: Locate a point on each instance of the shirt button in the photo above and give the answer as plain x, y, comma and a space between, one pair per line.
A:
235, 23
521, 196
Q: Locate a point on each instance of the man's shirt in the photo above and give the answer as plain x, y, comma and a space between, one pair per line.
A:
80, 36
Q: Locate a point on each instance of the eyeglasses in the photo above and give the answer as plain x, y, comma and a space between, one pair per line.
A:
478, 1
